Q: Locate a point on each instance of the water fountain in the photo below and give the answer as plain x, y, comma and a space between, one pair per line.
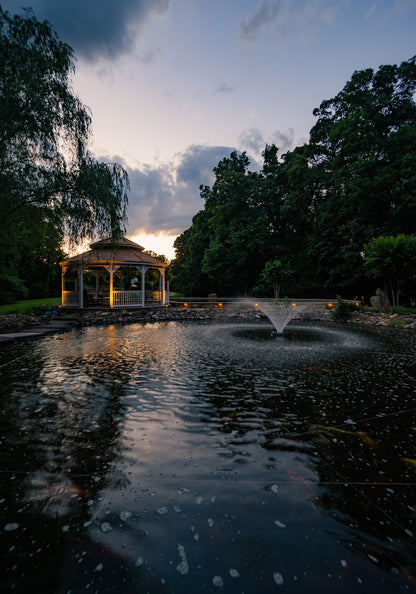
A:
281, 311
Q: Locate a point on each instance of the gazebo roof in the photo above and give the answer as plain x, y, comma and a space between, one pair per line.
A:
121, 251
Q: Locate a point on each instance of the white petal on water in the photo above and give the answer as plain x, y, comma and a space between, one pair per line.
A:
278, 578
65, 528
105, 527
343, 563
139, 562
124, 515
183, 566
162, 510
234, 573
196, 537
218, 581
177, 509
373, 558
182, 490
199, 500
213, 498
99, 567
210, 522
10, 527
274, 488
280, 524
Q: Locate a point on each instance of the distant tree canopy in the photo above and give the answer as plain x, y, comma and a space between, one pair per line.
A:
312, 208
49, 183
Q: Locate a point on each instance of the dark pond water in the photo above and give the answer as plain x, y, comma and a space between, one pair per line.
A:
209, 457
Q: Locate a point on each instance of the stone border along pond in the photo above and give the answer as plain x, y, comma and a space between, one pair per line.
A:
30, 326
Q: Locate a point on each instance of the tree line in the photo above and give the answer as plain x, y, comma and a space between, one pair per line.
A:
51, 187
299, 224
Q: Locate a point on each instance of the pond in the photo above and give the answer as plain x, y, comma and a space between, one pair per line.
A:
209, 457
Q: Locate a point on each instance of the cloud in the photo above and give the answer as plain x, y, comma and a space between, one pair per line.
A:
283, 139
150, 55
288, 18
95, 28
165, 197
405, 6
196, 164
224, 88
370, 11
253, 140
264, 14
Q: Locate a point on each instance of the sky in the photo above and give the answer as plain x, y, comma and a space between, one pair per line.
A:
174, 86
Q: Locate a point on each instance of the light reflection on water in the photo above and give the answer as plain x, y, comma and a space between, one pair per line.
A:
194, 457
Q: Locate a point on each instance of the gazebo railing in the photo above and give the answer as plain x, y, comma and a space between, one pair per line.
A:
127, 298
120, 298
70, 298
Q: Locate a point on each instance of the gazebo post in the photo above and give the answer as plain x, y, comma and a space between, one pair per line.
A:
111, 287
111, 269
63, 270
162, 286
81, 286
143, 272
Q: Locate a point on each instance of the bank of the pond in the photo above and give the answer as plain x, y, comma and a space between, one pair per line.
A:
17, 327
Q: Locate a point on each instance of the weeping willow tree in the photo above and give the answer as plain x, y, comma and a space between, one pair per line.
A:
49, 181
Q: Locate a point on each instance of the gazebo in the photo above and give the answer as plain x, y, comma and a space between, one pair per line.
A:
112, 264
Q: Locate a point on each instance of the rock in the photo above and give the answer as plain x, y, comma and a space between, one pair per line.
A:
380, 302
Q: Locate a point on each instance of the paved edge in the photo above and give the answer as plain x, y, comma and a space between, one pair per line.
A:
37, 331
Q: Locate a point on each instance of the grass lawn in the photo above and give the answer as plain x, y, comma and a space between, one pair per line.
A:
26, 306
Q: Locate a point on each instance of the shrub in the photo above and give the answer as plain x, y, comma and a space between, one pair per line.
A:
343, 310
400, 309
11, 289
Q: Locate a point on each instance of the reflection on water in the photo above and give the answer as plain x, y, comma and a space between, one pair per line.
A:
206, 457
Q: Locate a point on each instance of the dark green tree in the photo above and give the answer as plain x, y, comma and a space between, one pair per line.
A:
316, 205
239, 231
47, 175
39, 256
273, 275
392, 259
298, 214
362, 149
186, 268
